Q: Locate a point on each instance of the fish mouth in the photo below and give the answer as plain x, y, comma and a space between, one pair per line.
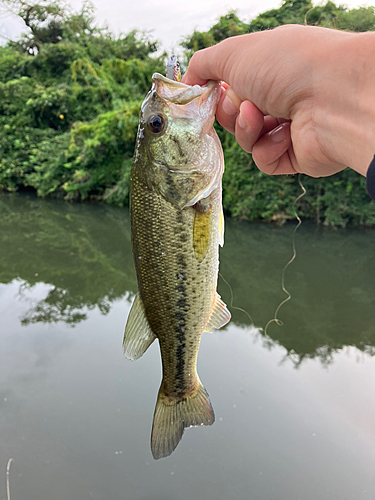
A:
180, 93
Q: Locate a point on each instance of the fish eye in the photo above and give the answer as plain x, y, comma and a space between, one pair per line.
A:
156, 124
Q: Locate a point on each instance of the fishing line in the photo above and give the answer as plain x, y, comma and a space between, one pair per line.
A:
8, 474
231, 306
275, 319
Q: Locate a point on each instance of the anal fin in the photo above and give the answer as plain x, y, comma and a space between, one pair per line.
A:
138, 334
220, 315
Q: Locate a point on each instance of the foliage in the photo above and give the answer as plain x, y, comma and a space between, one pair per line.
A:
252, 195
69, 107
82, 168
44, 20
70, 94
227, 26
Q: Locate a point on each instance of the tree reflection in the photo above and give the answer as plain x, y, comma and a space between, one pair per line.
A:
84, 253
331, 282
57, 306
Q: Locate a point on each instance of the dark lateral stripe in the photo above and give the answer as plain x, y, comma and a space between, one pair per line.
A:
180, 314
180, 366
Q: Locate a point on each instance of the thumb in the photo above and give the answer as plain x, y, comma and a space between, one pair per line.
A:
210, 64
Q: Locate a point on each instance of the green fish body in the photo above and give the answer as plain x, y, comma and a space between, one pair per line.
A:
177, 226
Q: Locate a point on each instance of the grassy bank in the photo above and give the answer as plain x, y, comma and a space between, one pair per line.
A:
70, 95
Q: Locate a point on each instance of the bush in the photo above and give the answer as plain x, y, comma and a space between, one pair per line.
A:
70, 95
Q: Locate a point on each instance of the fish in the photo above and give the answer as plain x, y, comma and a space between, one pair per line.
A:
177, 225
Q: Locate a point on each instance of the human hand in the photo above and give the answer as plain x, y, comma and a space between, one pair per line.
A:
292, 99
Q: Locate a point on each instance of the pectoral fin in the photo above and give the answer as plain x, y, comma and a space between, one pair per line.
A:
201, 230
220, 315
138, 334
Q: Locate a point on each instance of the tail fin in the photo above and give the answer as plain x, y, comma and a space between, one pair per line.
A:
170, 420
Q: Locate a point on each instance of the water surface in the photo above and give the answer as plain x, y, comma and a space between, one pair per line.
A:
295, 410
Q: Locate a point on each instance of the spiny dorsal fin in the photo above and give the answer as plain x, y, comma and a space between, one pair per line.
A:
171, 418
220, 315
138, 334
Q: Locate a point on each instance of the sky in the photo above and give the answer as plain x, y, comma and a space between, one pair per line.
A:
169, 20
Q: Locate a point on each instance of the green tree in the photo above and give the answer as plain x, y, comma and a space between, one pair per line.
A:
69, 104
44, 20
70, 94
251, 195
227, 26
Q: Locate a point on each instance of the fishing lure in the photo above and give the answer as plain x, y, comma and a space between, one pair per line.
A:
173, 69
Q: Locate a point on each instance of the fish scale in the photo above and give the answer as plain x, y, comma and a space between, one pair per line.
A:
172, 281
176, 226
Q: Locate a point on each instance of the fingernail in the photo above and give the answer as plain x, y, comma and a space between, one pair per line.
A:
278, 134
228, 107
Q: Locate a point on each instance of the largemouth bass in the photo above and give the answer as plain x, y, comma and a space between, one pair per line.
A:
177, 225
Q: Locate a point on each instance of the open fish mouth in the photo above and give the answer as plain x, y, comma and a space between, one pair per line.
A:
180, 93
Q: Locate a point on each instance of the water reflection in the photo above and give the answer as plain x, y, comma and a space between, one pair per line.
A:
57, 306
83, 253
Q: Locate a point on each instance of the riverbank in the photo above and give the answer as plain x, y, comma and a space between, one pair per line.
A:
69, 109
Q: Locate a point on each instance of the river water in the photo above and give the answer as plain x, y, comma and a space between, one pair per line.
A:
295, 409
